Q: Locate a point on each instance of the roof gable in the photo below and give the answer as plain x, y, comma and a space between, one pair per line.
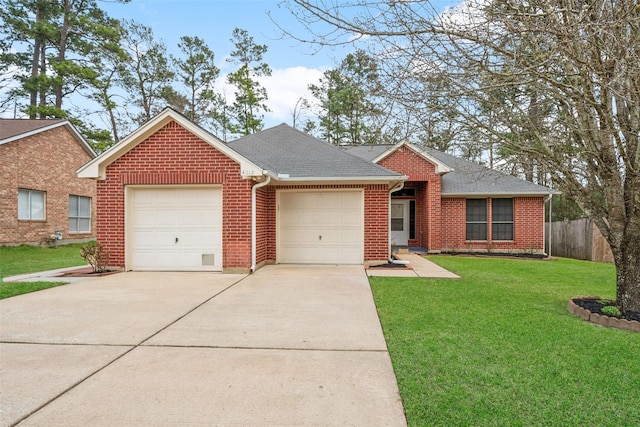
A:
463, 178
294, 155
16, 129
441, 168
97, 167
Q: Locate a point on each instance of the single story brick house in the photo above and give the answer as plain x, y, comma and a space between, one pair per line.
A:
172, 196
40, 192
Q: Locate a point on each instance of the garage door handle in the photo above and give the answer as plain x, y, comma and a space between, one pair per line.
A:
319, 237
176, 240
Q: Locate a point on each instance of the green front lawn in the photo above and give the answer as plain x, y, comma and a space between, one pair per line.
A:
30, 259
499, 347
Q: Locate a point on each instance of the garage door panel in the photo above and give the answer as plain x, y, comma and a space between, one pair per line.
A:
164, 216
299, 236
158, 216
349, 235
343, 236
336, 216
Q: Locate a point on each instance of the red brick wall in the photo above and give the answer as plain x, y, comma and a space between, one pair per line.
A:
376, 220
265, 223
45, 162
175, 156
528, 233
428, 201
376, 223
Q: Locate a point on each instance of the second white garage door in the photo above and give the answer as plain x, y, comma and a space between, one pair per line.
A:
174, 228
320, 227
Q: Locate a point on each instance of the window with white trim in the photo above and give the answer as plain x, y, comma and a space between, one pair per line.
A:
31, 205
79, 214
502, 219
476, 219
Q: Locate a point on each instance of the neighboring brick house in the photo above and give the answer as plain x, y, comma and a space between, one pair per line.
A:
172, 196
39, 189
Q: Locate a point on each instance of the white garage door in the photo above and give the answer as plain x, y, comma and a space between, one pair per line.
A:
323, 227
174, 229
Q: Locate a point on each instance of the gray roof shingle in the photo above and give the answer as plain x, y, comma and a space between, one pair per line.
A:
288, 151
467, 178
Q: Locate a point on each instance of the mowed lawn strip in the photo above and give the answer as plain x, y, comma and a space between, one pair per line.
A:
498, 347
15, 260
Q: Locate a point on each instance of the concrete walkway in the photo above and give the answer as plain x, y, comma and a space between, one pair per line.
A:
419, 267
285, 346
48, 276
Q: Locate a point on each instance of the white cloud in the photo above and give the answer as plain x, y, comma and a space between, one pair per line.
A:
285, 87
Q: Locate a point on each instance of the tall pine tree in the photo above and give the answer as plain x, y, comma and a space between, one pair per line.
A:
244, 115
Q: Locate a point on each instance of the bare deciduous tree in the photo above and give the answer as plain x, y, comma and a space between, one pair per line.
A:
555, 82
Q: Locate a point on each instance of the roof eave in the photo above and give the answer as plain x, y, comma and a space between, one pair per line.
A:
284, 179
500, 194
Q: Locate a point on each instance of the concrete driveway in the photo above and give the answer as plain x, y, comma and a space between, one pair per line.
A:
288, 345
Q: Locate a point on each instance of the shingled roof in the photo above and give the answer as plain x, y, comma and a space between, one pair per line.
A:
286, 151
15, 129
466, 178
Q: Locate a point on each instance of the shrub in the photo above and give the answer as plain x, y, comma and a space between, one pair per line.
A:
96, 255
611, 310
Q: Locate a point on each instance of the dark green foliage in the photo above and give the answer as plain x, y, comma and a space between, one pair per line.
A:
347, 100
243, 116
197, 72
611, 310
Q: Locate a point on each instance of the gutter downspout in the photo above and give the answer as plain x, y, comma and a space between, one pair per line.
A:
253, 220
550, 200
399, 186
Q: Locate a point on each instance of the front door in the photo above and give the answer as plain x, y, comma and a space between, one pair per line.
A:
400, 222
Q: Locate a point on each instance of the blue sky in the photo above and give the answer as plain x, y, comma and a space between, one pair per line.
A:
214, 20
294, 65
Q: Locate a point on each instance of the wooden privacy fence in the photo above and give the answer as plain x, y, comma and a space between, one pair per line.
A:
578, 239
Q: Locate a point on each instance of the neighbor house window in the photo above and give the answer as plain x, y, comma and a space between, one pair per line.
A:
31, 204
502, 219
476, 219
79, 214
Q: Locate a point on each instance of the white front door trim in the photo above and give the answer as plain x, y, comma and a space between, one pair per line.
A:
399, 236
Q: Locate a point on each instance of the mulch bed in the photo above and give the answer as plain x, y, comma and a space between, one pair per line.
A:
390, 265
595, 306
87, 272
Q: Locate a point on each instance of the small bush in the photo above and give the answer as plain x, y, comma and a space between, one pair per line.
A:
96, 255
611, 310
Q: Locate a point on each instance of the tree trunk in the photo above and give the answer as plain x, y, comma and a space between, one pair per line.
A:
62, 53
35, 69
43, 77
627, 260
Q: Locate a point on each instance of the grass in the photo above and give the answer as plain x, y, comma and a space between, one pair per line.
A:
499, 347
16, 260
